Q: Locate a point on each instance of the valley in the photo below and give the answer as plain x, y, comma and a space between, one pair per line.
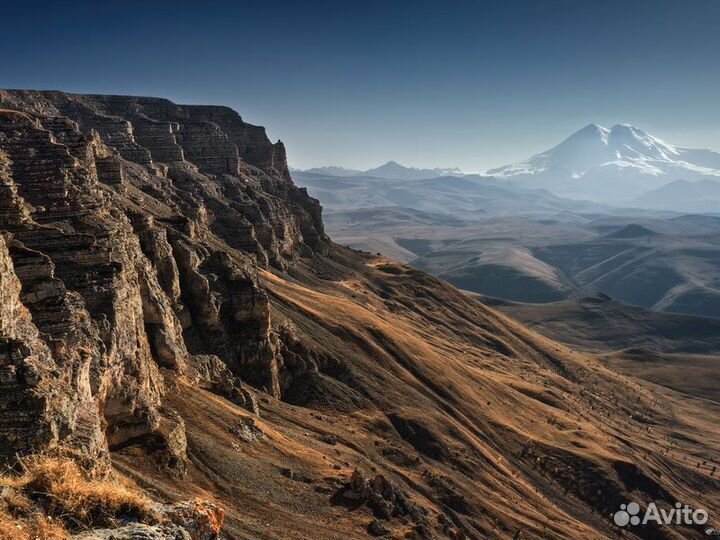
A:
491, 237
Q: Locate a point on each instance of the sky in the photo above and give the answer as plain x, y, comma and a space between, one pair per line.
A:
467, 83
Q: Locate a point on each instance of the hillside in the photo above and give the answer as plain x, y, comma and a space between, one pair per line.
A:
601, 324
638, 265
676, 351
660, 262
702, 196
173, 310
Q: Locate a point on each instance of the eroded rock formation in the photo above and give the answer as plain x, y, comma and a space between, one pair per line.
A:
133, 231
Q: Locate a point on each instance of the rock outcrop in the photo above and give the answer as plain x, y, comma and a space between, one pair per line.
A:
189, 520
136, 531
134, 229
28, 382
384, 498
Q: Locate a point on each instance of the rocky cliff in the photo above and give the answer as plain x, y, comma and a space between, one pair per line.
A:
133, 229
171, 305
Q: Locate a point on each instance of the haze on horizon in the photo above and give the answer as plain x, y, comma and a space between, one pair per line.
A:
473, 84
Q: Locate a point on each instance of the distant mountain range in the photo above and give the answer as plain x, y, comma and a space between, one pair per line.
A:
622, 166
615, 165
390, 170
497, 237
467, 197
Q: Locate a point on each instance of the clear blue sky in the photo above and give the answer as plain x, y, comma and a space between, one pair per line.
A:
467, 83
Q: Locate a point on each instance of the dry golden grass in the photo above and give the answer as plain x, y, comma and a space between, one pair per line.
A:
8, 525
34, 526
486, 389
52, 494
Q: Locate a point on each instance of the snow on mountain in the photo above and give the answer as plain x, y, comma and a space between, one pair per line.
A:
611, 165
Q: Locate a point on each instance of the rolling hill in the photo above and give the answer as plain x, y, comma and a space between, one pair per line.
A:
702, 196
674, 351
668, 263
600, 324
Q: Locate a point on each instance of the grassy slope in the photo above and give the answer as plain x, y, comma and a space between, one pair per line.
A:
677, 351
515, 431
601, 324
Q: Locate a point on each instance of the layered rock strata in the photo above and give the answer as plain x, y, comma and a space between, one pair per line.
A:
133, 231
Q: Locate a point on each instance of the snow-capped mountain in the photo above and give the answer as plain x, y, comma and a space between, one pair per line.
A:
611, 165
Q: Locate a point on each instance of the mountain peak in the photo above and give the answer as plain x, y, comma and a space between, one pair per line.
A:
592, 128
591, 132
616, 130
389, 165
396, 171
611, 164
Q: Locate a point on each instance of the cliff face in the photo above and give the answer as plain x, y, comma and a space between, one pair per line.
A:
133, 231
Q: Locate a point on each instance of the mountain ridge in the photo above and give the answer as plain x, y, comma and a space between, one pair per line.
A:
700, 196
391, 170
